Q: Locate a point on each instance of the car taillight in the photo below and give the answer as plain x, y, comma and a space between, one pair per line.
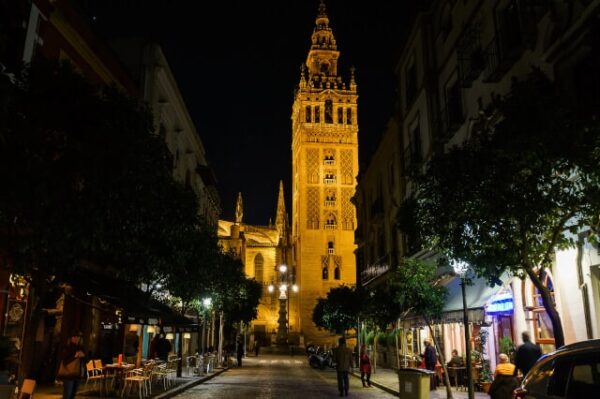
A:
519, 393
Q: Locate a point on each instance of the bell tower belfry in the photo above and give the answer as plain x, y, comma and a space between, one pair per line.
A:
324, 167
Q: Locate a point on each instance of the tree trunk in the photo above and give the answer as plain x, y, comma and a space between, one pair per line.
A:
397, 346
559, 337
442, 360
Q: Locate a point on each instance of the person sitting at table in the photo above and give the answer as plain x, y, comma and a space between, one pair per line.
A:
504, 380
456, 377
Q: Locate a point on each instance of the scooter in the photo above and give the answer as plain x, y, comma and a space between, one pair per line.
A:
320, 359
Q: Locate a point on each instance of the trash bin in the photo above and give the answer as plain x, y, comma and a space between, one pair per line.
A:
414, 383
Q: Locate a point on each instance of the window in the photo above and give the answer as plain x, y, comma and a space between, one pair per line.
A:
411, 84
308, 113
415, 144
325, 273
330, 248
330, 222
349, 116
340, 115
317, 114
330, 198
259, 268
329, 158
328, 111
329, 178
585, 378
336, 273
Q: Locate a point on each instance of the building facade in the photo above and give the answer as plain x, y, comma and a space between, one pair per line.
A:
459, 57
324, 166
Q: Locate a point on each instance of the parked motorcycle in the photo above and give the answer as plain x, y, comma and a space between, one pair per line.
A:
320, 359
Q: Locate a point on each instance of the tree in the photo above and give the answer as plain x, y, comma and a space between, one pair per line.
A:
415, 287
85, 181
339, 311
522, 187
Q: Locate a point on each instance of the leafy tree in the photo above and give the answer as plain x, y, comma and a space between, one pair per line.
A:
521, 188
415, 287
339, 311
85, 181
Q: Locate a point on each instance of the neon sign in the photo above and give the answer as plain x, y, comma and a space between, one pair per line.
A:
501, 303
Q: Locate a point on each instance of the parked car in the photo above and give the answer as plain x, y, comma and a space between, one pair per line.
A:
571, 372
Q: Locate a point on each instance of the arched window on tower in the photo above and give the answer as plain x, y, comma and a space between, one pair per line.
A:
325, 273
340, 115
336, 273
328, 111
308, 113
349, 116
317, 114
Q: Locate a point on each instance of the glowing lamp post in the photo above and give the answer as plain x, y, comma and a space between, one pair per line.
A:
460, 268
284, 288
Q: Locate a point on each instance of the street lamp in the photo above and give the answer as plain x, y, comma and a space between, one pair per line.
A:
206, 303
285, 283
461, 268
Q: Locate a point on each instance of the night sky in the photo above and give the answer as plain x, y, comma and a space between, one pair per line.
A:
237, 64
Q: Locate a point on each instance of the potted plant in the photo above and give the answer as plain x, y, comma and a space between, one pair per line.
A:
485, 376
508, 347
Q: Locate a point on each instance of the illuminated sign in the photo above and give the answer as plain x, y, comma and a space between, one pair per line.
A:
500, 303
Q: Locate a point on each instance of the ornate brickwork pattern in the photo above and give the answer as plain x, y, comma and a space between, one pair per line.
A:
347, 209
337, 262
346, 166
312, 165
312, 207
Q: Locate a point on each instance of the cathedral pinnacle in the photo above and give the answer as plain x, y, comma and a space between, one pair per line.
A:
281, 216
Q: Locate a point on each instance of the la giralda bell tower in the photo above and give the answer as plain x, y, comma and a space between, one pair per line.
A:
325, 164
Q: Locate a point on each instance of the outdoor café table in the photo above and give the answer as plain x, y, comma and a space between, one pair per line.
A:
118, 371
456, 372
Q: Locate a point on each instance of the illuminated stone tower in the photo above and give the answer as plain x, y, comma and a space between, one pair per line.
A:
325, 163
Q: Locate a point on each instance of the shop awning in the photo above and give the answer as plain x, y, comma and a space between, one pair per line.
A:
137, 307
477, 295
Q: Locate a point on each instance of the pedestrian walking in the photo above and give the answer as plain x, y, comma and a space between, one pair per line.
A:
430, 360
240, 352
163, 347
256, 347
343, 363
504, 380
365, 366
70, 365
527, 354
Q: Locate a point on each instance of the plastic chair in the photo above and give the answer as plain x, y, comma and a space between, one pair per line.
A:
92, 373
141, 378
27, 389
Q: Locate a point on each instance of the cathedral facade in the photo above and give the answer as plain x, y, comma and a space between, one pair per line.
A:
324, 167
264, 250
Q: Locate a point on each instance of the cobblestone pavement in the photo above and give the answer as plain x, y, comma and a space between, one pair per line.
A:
272, 376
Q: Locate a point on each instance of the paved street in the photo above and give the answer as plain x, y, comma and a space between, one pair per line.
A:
278, 377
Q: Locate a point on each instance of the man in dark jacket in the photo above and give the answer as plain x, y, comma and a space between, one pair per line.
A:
343, 363
430, 360
527, 354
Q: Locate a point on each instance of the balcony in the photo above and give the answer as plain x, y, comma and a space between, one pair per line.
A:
329, 162
329, 179
330, 226
375, 270
329, 203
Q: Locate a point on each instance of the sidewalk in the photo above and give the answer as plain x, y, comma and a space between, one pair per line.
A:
387, 379
90, 392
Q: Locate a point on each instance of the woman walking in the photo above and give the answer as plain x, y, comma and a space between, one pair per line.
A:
70, 365
365, 366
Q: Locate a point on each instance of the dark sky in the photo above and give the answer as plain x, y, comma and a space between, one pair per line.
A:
237, 64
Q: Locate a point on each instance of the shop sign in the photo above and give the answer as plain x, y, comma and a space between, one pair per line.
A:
501, 303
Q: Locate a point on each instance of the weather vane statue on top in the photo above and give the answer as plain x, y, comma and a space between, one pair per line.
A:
239, 209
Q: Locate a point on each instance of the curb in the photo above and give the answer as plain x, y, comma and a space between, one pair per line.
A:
380, 386
179, 389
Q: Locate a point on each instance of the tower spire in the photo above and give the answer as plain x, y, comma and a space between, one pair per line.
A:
281, 216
